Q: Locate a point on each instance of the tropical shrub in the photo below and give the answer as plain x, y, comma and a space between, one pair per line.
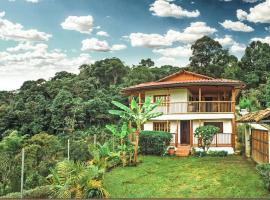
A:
205, 136
198, 153
77, 180
10, 148
264, 171
121, 143
38, 192
137, 114
217, 153
154, 142
42, 151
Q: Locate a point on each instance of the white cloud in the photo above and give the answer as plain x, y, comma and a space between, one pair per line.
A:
259, 13
164, 8
33, 1
118, 47
103, 33
227, 40
251, 1
148, 40
30, 1
83, 24
264, 40
238, 49
190, 34
33, 61
171, 61
16, 31
241, 15
175, 52
236, 26
93, 44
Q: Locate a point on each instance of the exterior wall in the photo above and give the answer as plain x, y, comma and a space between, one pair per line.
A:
176, 95
226, 139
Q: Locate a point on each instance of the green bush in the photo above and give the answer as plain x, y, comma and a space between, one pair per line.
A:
217, 153
38, 192
154, 142
264, 171
198, 153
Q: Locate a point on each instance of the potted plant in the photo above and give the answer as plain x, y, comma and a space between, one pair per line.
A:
171, 150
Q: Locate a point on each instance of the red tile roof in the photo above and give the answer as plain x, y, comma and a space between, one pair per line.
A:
204, 81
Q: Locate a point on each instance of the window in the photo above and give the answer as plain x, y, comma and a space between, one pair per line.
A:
161, 126
164, 99
217, 124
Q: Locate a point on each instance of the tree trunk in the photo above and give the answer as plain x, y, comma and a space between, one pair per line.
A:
136, 147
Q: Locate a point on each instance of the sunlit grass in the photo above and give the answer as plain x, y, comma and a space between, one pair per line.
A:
162, 177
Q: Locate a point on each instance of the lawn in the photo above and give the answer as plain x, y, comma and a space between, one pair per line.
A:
174, 177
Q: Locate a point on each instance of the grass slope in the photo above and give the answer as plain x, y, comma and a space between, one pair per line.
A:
173, 177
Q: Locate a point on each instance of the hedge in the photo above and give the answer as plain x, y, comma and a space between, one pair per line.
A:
154, 142
36, 193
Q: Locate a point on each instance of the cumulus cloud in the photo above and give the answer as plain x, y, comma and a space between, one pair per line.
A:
102, 33
238, 49
236, 26
241, 15
16, 31
264, 40
82, 24
164, 8
148, 40
226, 41
258, 14
190, 34
176, 52
172, 61
28, 61
93, 44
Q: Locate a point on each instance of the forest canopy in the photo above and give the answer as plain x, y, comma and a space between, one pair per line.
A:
81, 101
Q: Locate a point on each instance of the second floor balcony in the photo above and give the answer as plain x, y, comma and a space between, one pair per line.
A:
196, 107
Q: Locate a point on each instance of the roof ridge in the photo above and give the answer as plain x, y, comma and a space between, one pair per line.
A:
185, 71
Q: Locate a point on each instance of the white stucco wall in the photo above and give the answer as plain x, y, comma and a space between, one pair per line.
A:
176, 95
227, 128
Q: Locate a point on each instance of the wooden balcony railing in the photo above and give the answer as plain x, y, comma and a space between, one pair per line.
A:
196, 107
219, 140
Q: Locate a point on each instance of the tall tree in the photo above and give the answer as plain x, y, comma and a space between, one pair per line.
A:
255, 64
209, 58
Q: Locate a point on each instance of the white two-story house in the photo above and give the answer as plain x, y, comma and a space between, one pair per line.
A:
191, 100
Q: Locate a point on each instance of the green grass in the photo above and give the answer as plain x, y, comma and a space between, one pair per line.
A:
174, 177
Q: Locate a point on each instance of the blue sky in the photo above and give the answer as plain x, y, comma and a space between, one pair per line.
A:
41, 37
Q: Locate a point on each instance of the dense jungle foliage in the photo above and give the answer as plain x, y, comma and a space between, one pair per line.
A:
68, 101
41, 115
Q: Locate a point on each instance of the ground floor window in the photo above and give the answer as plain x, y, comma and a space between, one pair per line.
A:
161, 126
217, 124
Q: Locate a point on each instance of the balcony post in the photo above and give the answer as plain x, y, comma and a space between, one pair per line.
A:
233, 100
200, 98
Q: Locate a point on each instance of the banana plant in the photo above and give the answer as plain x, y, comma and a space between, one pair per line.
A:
138, 115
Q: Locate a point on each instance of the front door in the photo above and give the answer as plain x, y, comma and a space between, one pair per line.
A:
185, 132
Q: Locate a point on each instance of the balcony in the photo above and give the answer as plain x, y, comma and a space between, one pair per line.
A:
196, 107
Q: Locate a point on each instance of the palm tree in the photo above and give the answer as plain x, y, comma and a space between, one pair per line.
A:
137, 114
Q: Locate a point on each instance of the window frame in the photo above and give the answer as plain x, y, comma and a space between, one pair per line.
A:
162, 126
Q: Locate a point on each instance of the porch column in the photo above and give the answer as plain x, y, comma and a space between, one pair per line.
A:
176, 134
130, 136
233, 133
191, 132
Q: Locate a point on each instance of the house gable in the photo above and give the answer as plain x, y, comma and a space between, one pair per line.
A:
185, 76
